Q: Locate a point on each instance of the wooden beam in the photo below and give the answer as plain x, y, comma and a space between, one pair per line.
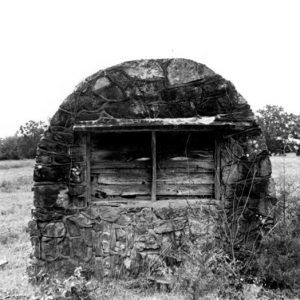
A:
217, 169
87, 150
153, 151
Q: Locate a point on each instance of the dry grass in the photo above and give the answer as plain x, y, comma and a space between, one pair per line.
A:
15, 209
286, 171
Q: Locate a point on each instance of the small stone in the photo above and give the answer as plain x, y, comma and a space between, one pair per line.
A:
99, 268
81, 220
3, 263
124, 220
101, 83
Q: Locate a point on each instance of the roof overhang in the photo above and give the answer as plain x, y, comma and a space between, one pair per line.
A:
162, 124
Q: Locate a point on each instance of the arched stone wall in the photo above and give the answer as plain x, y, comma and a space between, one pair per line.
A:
67, 231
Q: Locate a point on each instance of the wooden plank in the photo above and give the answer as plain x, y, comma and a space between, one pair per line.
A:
87, 145
119, 155
181, 189
153, 152
218, 169
102, 165
140, 176
184, 178
162, 189
190, 163
123, 172
121, 190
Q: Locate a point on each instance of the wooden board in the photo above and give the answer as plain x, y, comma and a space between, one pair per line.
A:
191, 164
162, 189
140, 176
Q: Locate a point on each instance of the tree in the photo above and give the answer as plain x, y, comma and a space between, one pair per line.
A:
29, 136
279, 128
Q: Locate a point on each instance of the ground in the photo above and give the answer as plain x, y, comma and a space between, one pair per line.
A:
15, 212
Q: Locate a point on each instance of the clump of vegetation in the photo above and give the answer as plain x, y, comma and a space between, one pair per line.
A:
24, 143
280, 129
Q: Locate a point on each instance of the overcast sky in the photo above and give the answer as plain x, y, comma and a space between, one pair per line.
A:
48, 47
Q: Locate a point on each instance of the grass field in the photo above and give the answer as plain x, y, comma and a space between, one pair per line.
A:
15, 212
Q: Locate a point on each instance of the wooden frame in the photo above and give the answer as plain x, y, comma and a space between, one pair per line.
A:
217, 162
217, 168
153, 153
87, 153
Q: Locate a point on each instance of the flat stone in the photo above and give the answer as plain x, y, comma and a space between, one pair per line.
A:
99, 268
79, 250
87, 236
143, 69
110, 214
33, 228
81, 220
101, 83
265, 168
231, 174
124, 220
54, 230
49, 249
73, 229
182, 71
163, 226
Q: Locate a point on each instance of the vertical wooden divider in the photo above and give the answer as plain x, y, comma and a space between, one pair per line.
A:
217, 169
153, 151
87, 150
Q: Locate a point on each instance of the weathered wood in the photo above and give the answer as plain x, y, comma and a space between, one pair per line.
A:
122, 176
217, 169
184, 178
87, 149
102, 165
174, 124
140, 176
153, 152
122, 190
184, 189
162, 189
120, 155
190, 163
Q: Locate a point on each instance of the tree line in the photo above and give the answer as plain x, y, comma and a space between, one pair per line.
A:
24, 142
281, 131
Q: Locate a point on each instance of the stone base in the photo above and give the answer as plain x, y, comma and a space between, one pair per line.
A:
122, 239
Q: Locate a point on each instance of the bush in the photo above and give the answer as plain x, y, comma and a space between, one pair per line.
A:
278, 260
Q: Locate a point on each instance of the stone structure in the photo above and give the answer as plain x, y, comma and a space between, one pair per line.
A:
128, 157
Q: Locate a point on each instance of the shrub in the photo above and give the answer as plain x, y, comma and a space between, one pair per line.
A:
278, 260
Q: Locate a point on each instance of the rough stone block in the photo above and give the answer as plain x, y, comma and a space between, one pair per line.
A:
55, 229
50, 173
110, 214
49, 249
72, 227
46, 195
163, 226
81, 220
99, 268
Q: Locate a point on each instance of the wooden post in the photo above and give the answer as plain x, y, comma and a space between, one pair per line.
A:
87, 148
153, 151
217, 169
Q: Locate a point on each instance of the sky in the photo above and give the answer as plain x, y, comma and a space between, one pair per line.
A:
48, 47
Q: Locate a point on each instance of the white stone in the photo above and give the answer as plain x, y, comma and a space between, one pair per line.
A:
101, 83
